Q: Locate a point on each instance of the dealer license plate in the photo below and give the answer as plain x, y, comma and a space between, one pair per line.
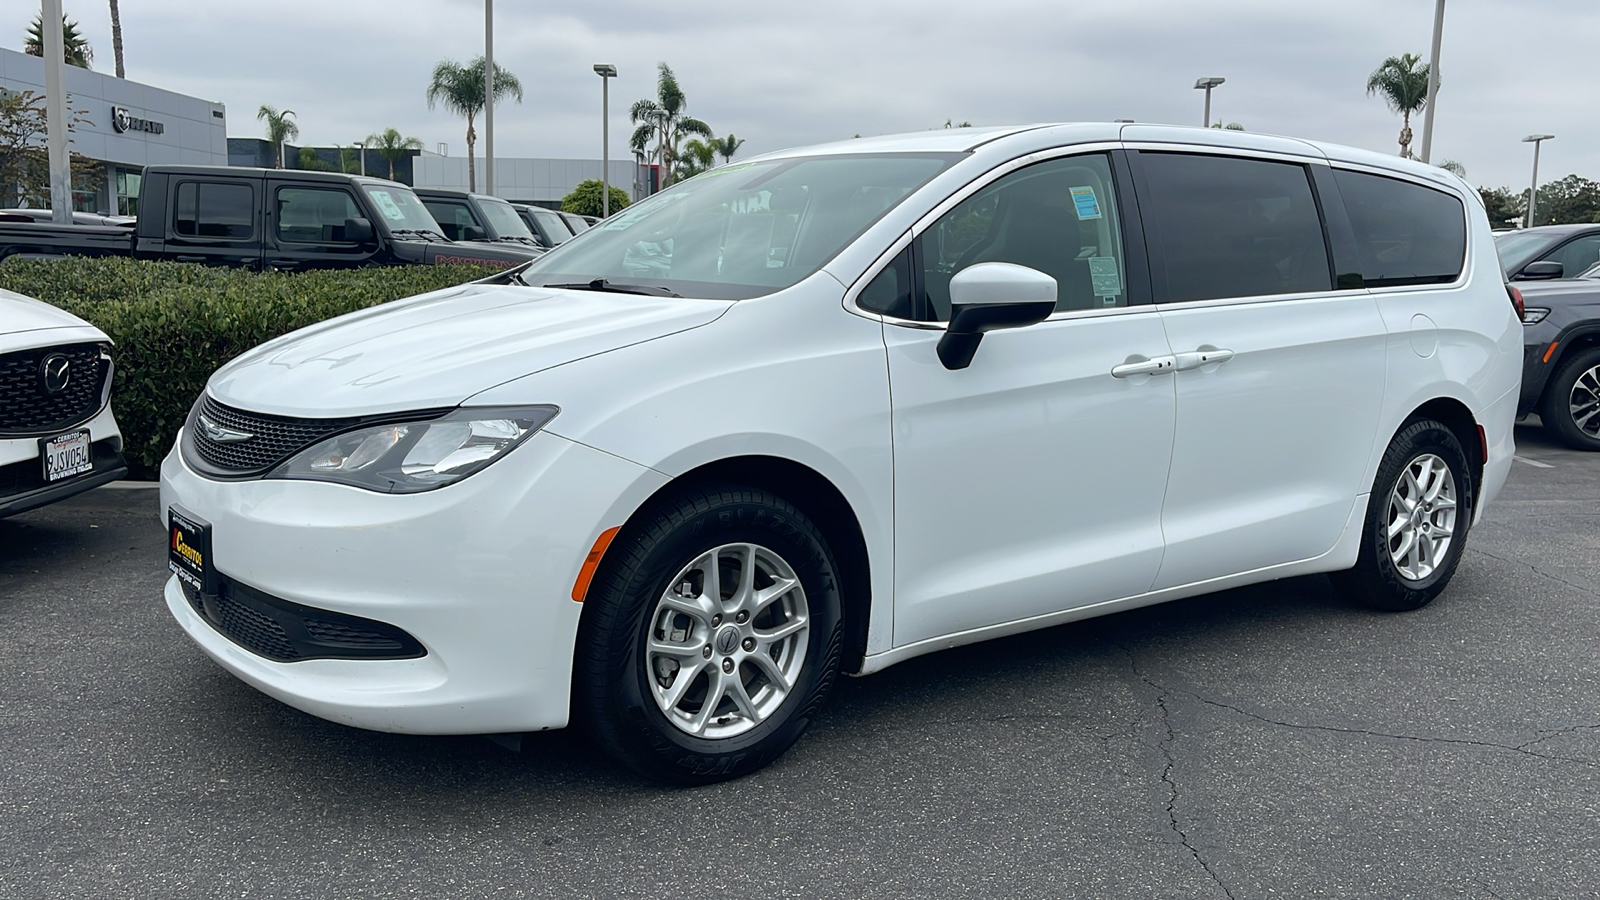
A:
66, 455
189, 550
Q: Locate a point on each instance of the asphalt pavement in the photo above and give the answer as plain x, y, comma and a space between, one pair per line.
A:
1272, 741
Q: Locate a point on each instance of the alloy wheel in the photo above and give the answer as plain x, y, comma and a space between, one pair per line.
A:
1422, 517
1583, 403
727, 641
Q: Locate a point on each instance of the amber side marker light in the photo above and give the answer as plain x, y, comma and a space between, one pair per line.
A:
1552, 350
592, 562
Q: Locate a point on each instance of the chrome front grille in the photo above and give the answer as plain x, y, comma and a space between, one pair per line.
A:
269, 440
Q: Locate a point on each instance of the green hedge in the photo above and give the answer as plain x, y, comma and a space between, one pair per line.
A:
176, 323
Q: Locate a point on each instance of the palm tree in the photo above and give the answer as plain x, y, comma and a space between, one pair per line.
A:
663, 119
727, 147
697, 156
391, 146
1404, 86
116, 37
78, 51
280, 128
460, 89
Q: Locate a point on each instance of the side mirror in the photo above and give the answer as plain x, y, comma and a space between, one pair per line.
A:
988, 296
358, 230
473, 233
1543, 270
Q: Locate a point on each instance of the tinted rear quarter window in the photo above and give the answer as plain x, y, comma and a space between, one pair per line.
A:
1405, 233
1231, 227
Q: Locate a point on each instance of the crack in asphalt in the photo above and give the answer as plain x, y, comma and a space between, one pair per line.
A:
1165, 746
1547, 735
1538, 571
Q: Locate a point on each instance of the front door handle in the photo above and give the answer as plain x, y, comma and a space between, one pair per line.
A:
1156, 366
1197, 358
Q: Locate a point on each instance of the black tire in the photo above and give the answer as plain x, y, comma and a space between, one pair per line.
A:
1375, 581
1555, 407
612, 696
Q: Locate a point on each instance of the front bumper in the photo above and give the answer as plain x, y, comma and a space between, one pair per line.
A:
480, 572
22, 485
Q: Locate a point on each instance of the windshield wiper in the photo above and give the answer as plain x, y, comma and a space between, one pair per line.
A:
614, 287
420, 232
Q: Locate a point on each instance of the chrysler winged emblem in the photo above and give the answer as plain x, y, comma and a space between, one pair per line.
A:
220, 434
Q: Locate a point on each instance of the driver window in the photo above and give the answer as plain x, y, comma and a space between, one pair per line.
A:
1059, 217
1576, 256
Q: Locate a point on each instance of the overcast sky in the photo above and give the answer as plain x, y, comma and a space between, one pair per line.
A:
807, 71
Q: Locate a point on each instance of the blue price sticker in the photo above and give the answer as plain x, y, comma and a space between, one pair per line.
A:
1086, 203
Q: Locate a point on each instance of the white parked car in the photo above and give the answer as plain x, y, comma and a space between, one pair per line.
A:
832, 408
57, 434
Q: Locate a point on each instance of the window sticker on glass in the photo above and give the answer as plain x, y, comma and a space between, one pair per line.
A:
1087, 204
1107, 281
387, 206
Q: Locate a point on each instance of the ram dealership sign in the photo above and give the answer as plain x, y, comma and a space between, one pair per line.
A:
123, 121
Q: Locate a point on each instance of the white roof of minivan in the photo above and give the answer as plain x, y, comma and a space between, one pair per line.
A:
1027, 138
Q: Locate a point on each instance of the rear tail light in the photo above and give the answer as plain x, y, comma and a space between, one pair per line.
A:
1516, 301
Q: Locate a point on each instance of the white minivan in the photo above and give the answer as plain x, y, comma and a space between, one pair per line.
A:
828, 409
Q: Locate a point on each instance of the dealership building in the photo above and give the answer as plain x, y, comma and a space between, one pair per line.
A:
123, 126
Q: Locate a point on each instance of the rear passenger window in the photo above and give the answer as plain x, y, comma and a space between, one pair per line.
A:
1230, 227
210, 209
1405, 233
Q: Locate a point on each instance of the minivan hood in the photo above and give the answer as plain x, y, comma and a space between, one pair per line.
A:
438, 349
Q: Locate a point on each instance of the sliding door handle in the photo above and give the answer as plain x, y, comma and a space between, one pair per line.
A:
1197, 358
1157, 366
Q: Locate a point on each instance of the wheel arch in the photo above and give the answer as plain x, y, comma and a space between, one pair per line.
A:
822, 502
1570, 345
1455, 415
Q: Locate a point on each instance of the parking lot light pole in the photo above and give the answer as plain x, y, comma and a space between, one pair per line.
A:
363, 152
56, 114
606, 71
1533, 190
1206, 84
1433, 82
488, 97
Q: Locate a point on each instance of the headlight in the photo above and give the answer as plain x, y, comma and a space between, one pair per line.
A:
407, 457
1533, 315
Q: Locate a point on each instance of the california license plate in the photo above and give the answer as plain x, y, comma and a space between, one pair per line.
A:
189, 551
66, 455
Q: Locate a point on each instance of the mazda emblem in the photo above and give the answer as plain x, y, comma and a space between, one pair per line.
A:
55, 372
221, 434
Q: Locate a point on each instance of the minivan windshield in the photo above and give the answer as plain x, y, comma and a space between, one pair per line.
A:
400, 209
742, 230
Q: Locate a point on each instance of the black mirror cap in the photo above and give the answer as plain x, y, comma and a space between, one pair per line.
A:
1541, 270
358, 230
473, 233
968, 324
